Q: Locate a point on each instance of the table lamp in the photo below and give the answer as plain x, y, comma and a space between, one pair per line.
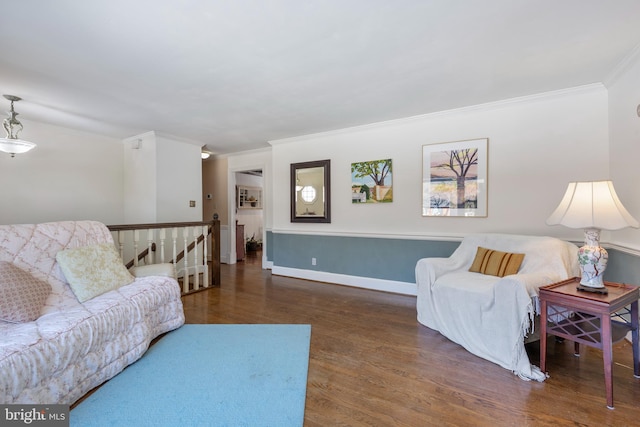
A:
593, 206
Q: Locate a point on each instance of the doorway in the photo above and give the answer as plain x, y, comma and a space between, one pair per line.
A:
249, 218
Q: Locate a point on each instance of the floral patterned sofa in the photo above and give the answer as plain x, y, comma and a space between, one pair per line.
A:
69, 321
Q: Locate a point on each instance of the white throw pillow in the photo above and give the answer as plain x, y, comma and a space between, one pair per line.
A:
93, 270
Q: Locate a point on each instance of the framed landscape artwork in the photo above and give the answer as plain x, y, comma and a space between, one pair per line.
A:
371, 182
454, 178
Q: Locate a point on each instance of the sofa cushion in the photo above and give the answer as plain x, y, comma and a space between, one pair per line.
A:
93, 270
22, 296
496, 263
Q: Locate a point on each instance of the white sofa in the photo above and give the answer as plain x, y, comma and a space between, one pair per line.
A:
73, 347
490, 316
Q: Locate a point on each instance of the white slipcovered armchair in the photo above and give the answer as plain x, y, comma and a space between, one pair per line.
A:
488, 315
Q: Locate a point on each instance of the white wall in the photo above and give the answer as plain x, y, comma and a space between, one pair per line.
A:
179, 180
162, 175
624, 98
537, 145
71, 175
140, 179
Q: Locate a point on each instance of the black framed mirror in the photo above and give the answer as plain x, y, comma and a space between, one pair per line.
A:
311, 191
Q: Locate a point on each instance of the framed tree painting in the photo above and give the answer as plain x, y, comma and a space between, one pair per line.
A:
454, 178
371, 182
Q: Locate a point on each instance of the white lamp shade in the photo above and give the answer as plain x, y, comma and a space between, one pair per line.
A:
592, 205
15, 146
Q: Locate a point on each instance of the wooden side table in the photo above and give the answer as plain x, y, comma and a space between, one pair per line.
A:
586, 318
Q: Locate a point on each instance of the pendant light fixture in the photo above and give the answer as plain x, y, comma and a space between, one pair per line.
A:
11, 143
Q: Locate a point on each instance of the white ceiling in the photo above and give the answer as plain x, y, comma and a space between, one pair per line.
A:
234, 74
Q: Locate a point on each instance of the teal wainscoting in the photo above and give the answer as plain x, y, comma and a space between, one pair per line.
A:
622, 267
390, 259
373, 257
267, 249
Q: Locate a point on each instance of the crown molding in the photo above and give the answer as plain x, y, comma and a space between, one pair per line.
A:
630, 59
242, 153
588, 88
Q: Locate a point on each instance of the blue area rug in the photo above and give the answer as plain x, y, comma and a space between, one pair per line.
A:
209, 375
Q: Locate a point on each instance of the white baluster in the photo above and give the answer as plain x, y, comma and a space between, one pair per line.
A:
185, 283
196, 277
121, 243
174, 236
150, 254
205, 255
163, 235
136, 239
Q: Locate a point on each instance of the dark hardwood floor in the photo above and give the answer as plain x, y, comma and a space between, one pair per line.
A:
372, 364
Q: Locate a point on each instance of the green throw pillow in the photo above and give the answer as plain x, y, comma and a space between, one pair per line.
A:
93, 270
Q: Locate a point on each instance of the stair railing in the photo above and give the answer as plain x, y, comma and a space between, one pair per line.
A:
192, 247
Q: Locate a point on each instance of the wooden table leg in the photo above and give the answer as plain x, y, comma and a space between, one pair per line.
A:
543, 336
607, 354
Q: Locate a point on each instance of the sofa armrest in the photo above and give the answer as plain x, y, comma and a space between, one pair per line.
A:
164, 269
428, 269
533, 281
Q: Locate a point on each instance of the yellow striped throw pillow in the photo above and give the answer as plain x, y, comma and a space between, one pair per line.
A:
496, 263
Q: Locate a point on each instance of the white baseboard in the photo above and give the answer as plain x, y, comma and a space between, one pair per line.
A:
343, 279
266, 264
